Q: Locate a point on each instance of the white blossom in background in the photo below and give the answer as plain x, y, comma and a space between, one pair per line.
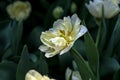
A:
60, 38
34, 75
110, 7
19, 10
72, 75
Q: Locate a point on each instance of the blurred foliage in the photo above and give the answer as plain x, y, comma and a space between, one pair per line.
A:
19, 42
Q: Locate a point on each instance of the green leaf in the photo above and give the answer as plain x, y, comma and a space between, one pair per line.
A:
42, 66
79, 45
92, 54
17, 28
34, 38
117, 75
103, 33
24, 64
114, 38
7, 71
108, 66
82, 66
65, 60
5, 37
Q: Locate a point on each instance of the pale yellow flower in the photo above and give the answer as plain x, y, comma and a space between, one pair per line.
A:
62, 36
110, 7
19, 10
34, 75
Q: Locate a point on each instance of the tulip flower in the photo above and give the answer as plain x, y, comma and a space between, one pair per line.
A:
19, 10
110, 7
61, 38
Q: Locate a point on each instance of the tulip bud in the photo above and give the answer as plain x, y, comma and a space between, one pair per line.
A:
57, 12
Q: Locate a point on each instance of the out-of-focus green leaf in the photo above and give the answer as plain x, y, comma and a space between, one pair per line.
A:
17, 34
115, 37
7, 71
5, 36
117, 75
82, 66
24, 65
49, 19
79, 45
34, 38
92, 54
108, 66
65, 60
42, 66
103, 33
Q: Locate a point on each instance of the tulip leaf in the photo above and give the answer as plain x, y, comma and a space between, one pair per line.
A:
5, 37
83, 68
103, 33
42, 66
17, 28
24, 65
117, 75
34, 38
7, 70
92, 54
108, 66
114, 38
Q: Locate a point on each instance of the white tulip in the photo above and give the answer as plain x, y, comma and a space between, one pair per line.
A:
62, 36
110, 7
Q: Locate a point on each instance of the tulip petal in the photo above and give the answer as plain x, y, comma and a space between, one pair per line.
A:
51, 54
33, 75
44, 48
75, 20
82, 31
66, 49
113, 10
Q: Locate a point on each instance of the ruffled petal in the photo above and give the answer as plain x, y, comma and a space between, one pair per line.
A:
75, 20
66, 49
44, 48
51, 54
82, 31
33, 75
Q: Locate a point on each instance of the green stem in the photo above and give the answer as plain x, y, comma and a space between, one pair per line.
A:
98, 36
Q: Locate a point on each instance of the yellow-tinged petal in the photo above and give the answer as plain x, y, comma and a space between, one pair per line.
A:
33, 75
66, 49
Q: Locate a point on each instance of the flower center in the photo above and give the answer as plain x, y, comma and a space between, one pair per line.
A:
58, 41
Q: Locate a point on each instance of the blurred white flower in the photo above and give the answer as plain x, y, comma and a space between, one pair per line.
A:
110, 7
19, 10
62, 36
72, 75
34, 75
